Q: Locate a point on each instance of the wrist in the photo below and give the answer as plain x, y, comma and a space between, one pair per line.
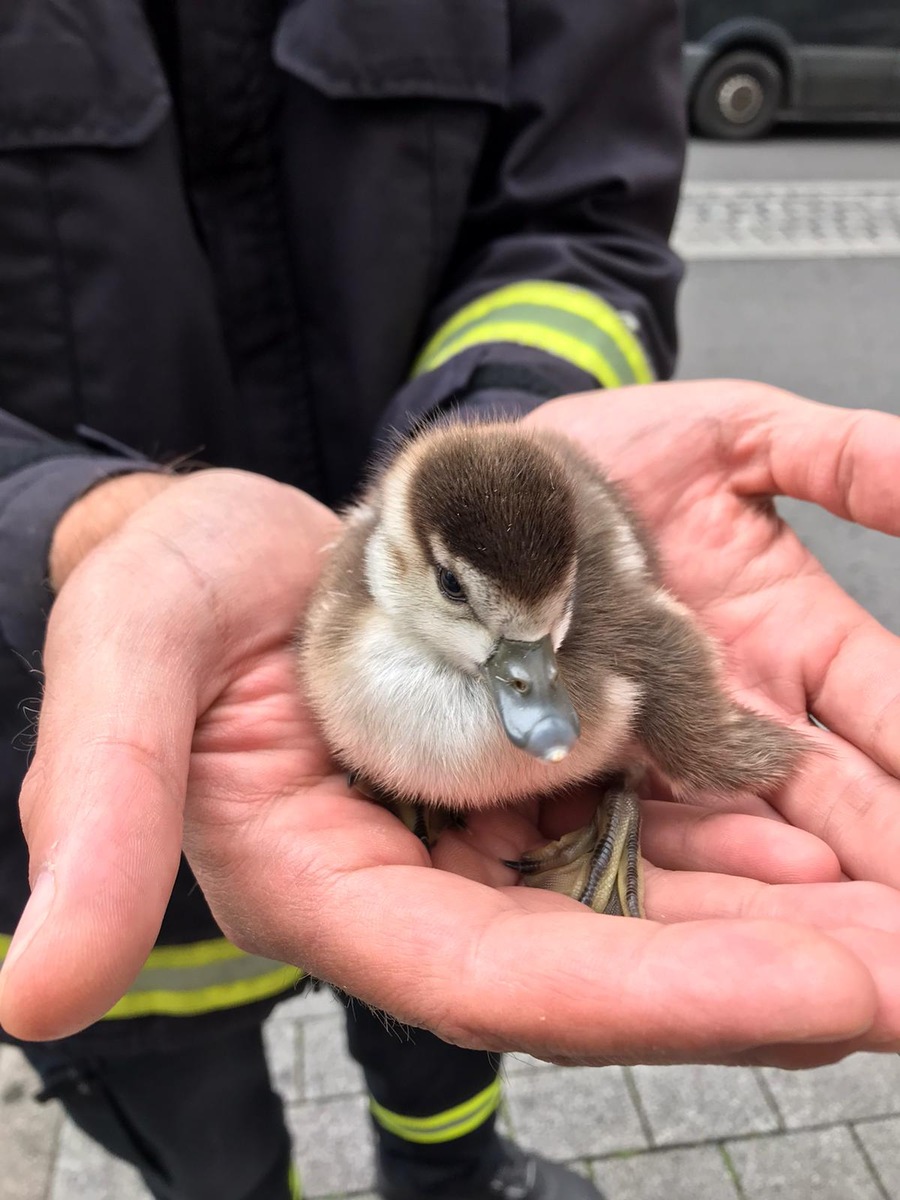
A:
98, 513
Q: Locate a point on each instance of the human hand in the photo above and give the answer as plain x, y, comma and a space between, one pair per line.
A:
702, 463
172, 713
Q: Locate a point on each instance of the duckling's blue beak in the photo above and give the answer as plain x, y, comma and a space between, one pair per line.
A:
532, 702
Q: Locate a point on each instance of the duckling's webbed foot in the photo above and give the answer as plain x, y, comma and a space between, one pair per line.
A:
599, 865
427, 822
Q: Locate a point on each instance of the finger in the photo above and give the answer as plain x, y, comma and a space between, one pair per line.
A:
878, 952
841, 797
846, 663
676, 836
847, 462
101, 808
804, 1058
769, 441
697, 896
844, 460
522, 968
683, 837
489, 840
617, 990
851, 678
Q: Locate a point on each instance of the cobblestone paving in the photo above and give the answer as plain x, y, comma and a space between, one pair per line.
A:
641, 1133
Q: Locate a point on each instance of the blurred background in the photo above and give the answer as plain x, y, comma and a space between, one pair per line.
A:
790, 227
793, 252
790, 224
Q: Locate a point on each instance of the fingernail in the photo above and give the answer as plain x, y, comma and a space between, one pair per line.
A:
33, 917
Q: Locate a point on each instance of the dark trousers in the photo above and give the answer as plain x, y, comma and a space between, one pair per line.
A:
206, 1124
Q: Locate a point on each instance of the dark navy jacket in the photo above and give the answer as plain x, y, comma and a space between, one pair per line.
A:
265, 234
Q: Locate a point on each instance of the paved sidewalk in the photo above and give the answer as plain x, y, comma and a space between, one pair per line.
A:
643, 1133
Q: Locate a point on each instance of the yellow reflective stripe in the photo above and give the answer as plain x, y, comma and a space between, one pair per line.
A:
294, 1184
164, 1002
543, 317
194, 954
202, 977
477, 323
539, 337
566, 297
441, 1127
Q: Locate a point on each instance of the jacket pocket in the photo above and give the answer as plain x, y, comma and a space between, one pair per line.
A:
77, 74
388, 49
83, 105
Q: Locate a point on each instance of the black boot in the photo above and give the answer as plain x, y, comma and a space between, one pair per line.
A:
519, 1176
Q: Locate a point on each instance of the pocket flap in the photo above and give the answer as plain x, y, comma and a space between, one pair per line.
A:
78, 73
384, 49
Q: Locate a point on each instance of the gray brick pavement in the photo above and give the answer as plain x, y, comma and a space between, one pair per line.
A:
578, 1112
334, 1146
825, 1163
880, 1141
687, 1173
82, 1171
699, 1104
28, 1132
863, 1086
679, 1133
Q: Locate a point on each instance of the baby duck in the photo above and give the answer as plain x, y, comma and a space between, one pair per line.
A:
492, 625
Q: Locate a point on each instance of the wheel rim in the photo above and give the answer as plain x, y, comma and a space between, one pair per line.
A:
740, 99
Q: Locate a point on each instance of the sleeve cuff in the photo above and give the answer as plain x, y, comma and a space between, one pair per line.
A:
492, 381
31, 502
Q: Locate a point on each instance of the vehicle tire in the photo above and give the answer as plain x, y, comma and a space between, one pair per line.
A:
738, 96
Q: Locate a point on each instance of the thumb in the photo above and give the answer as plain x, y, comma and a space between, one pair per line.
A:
143, 636
102, 804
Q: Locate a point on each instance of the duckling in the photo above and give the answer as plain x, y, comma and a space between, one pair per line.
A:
492, 625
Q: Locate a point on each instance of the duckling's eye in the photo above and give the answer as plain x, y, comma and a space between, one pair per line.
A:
450, 586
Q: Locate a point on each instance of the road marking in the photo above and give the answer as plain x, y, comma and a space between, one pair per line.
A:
824, 219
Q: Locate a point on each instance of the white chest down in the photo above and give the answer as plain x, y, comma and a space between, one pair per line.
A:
423, 730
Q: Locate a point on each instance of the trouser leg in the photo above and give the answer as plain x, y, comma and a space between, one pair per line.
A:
199, 1124
433, 1105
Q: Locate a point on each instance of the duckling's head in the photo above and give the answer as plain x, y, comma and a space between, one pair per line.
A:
473, 556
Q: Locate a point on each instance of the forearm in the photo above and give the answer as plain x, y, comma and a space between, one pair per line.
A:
98, 514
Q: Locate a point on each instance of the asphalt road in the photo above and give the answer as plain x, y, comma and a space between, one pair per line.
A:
824, 320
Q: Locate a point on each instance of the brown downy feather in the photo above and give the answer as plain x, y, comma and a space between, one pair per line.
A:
503, 505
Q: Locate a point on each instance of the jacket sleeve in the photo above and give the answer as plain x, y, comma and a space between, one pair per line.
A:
564, 279
40, 477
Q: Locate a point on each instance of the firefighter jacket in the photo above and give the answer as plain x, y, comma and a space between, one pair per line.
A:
265, 234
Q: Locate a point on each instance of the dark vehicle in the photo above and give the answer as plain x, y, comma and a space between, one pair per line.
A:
749, 64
